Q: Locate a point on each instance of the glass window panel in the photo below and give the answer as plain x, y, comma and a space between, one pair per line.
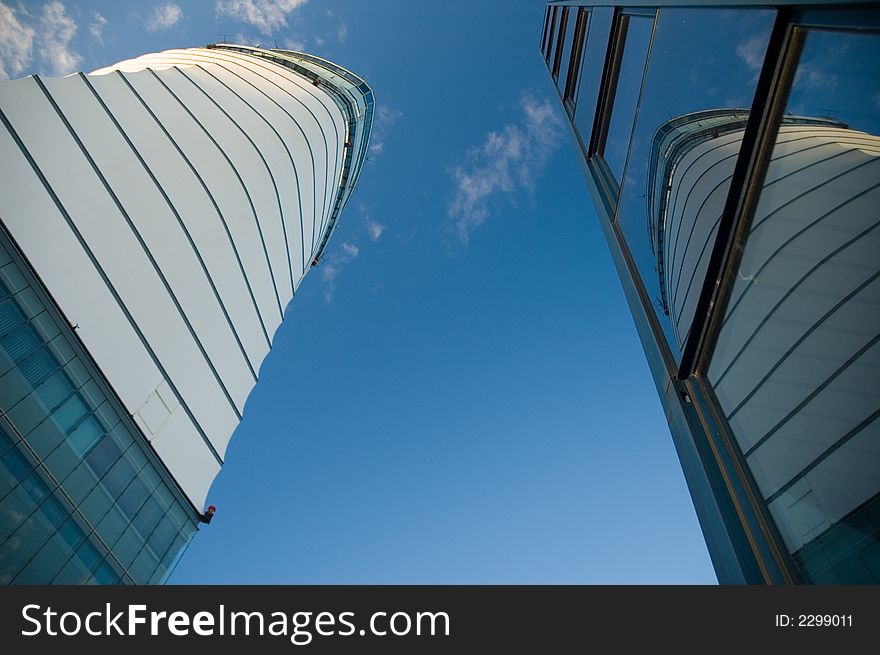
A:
53, 511
551, 33
16, 464
10, 315
546, 29
54, 390
105, 574
103, 456
12, 278
71, 532
79, 483
70, 413
144, 565
572, 76
61, 461
85, 435
19, 343
592, 63
38, 366
795, 364
626, 96
695, 107
565, 59
111, 526
88, 555
118, 478
133, 498
148, 516
559, 44
161, 537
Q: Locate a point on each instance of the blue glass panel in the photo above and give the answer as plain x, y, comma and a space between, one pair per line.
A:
678, 85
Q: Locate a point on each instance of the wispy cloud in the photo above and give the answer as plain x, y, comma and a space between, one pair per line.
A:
508, 161
294, 44
331, 270
56, 30
266, 15
383, 120
163, 17
342, 32
96, 29
375, 229
340, 258
751, 52
16, 43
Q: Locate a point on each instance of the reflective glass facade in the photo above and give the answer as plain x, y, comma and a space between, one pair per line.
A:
82, 498
733, 154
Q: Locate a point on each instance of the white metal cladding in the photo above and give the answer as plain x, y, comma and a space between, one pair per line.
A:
172, 204
795, 365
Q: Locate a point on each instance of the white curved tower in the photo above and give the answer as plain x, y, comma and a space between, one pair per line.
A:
169, 206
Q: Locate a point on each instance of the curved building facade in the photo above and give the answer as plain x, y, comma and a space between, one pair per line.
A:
158, 216
795, 365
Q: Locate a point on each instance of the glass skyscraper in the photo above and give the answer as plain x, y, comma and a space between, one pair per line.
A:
157, 218
733, 156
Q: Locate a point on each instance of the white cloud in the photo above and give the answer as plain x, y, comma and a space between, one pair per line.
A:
96, 29
751, 52
815, 75
329, 273
55, 31
342, 33
16, 43
383, 120
294, 44
47, 34
266, 15
163, 17
508, 161
319, 41
375, 229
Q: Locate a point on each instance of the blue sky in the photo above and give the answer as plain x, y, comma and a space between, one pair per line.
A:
457, 393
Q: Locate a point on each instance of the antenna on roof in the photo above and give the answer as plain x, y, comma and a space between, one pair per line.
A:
223, 36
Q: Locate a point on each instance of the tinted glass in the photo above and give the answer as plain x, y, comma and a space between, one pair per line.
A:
626, 97
795, 368
700, 82
565, 60
592, 62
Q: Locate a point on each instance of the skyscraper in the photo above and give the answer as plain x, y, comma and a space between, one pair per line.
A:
733, 156
157, 218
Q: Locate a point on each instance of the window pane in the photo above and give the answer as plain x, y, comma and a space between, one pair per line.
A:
551, 33
626, 97
559, 43
795, 366
685, 143
593, 60
565, 58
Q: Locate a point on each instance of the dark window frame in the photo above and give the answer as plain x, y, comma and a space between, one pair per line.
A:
577, 53
551, 31
559, 46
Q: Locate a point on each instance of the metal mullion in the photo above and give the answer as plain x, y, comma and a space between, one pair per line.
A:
575, 59
743, 490
608, 83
